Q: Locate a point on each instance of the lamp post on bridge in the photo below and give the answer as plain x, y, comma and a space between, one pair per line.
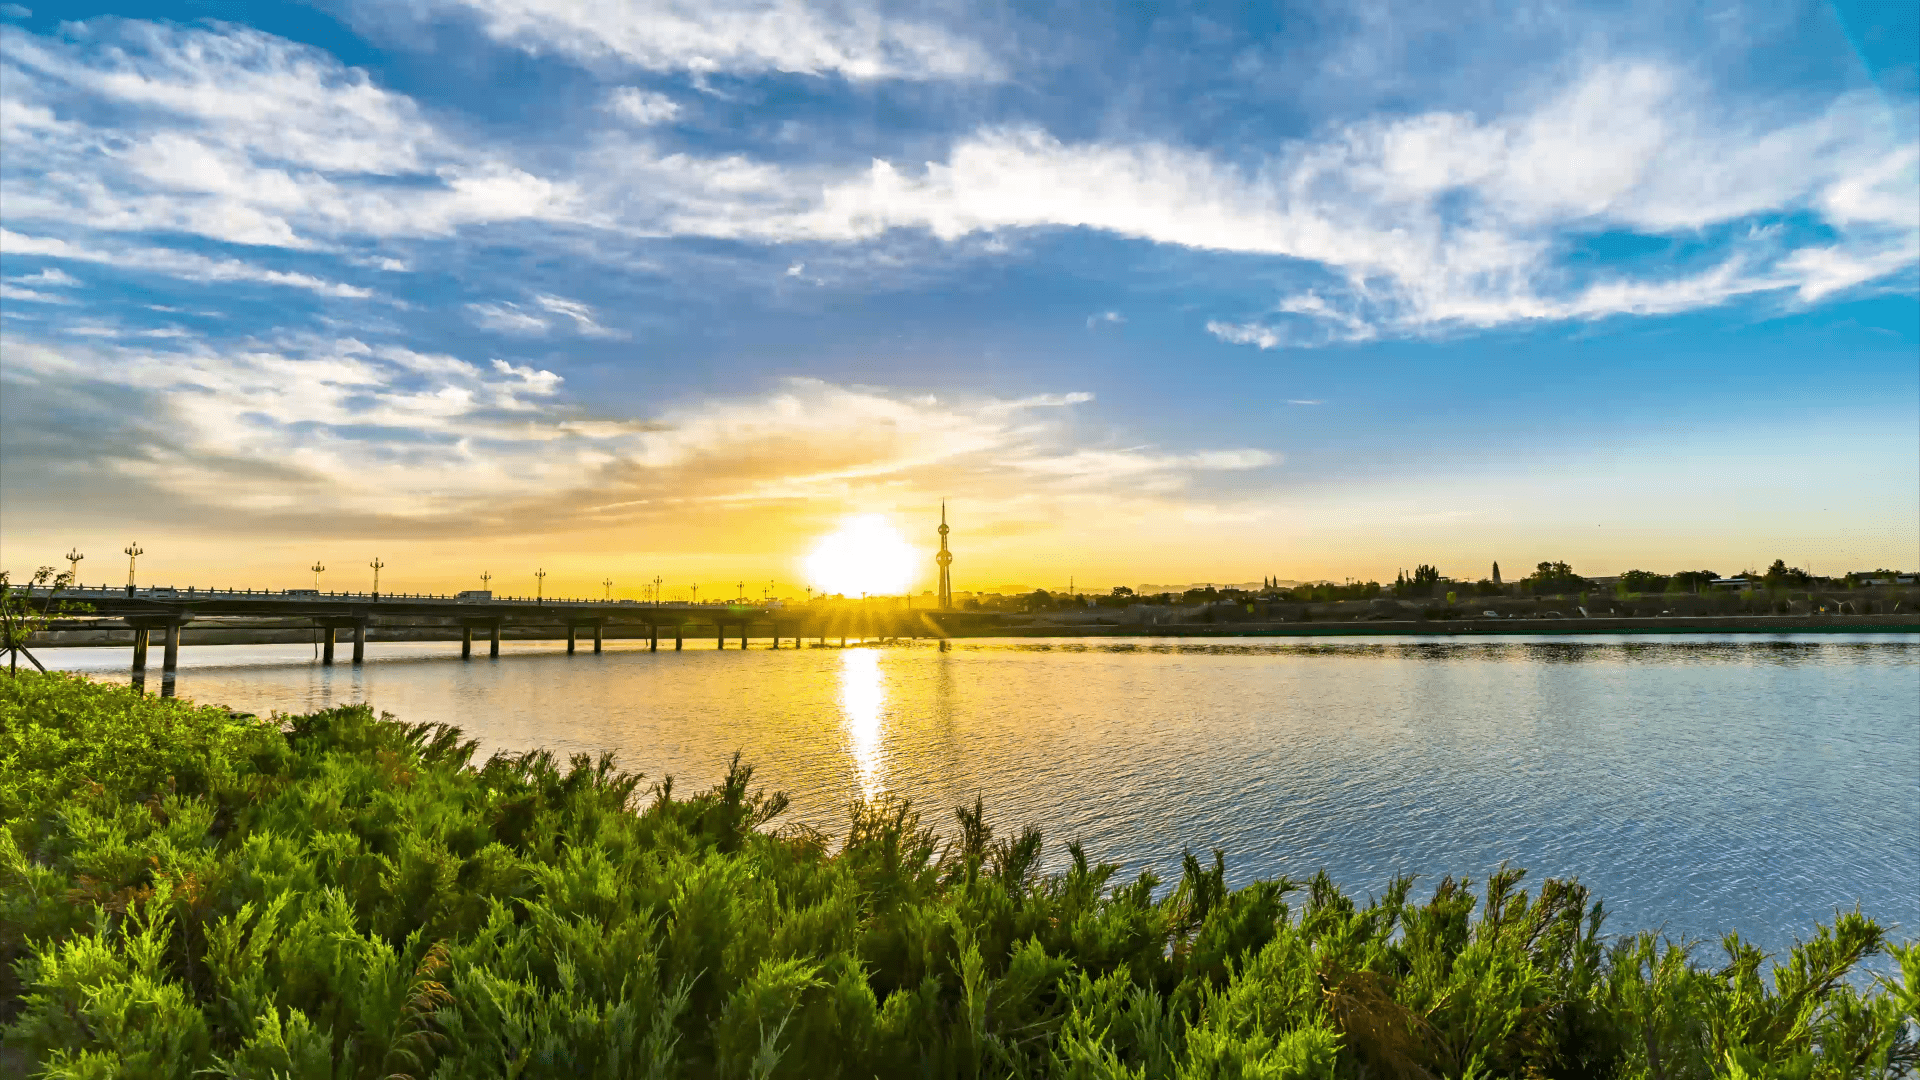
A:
656, 590
696, 593
318, 568
377, 567
609, 584
73, 564
133, 552
486, 582
539, 586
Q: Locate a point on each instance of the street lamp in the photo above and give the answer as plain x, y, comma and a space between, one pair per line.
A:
133, 552
73, 563
696, 594
609, 584
377, 567
318, 568
656, 589
486, 579
539, 586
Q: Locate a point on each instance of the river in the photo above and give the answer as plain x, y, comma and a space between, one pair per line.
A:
1698, 784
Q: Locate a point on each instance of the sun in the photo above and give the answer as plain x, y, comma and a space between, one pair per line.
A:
865, 555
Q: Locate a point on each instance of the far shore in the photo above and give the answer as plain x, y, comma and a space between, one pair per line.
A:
283, 632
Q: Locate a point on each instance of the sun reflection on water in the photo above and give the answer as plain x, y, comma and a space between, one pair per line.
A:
862, 697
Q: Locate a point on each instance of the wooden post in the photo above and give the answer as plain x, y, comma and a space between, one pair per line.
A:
326, 645
597, 628
493, 641
139, 652
466, 642
360, 641
570, 629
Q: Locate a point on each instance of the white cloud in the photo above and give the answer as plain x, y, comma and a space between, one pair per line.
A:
744, 37
525, 319
1245, 334
643, 107
234, 135
185, 265
10, 291
1423, 222
1305, 401
581, 314
50, 276
507, 318
1112, 318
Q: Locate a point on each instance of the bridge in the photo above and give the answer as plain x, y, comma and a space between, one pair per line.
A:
166, 611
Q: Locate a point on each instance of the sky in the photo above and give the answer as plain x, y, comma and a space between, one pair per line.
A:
1146, 293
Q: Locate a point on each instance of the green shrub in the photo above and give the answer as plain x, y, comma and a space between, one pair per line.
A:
186, 892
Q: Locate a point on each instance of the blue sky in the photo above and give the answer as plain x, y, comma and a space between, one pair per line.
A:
1206, 291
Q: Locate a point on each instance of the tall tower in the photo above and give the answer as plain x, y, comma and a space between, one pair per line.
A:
945, 559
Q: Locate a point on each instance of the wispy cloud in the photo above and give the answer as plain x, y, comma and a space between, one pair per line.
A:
1109, 318
507, 318
1437, 220
340, 433
643, 107
738, 37
533, 318
185, 265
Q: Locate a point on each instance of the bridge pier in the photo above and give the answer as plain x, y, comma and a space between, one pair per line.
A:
653, 637
139, 654
598, 629
466, 643
719, 634
678, 629
570, 630
493, 640
359, 641
326, 646
743, 637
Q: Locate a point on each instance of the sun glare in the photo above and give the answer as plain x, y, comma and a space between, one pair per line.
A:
865, 555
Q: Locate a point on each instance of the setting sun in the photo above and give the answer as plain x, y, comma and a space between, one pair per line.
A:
864, 556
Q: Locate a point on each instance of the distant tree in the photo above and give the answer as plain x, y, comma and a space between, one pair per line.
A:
1691, 581
1426, 575
1641, 581
1782, 576
1122, 590
1496, 573
1039, 600
1555, 579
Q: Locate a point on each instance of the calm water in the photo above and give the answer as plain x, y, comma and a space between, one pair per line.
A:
1699, 784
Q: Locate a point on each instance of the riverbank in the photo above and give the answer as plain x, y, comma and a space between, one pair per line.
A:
186, 889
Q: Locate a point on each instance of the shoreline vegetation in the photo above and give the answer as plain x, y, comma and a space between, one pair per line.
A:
186, 891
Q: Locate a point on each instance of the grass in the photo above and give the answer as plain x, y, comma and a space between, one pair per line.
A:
185, 892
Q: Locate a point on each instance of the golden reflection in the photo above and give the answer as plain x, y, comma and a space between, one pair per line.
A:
862, 697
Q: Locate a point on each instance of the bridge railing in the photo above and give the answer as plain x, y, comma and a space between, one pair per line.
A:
194, 592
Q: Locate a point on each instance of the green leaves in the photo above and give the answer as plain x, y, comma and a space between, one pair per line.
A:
185, 892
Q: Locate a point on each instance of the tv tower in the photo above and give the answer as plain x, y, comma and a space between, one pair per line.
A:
945, 559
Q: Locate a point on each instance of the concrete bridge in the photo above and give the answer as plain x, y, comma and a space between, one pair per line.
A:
416, 616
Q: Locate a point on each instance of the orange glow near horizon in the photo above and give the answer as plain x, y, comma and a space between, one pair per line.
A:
864, 556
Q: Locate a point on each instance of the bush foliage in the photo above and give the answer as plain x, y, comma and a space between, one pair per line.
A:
185, 892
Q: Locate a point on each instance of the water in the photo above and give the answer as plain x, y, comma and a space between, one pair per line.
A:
1698, 784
